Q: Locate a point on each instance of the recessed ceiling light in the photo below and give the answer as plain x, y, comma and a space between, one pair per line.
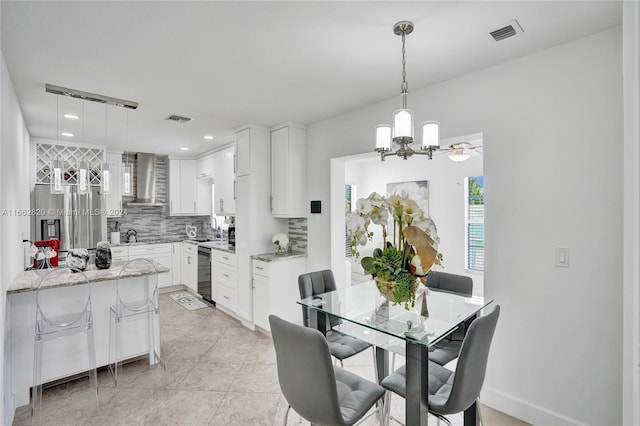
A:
208, 137
67, 134
184, 148
72, 116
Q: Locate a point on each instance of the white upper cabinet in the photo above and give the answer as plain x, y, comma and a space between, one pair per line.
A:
188, 192
203, 201
224, 180
242, 164
288, 171
205, 166
188, 195
113, 200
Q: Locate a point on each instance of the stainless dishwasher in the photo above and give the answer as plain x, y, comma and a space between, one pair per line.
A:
204, 273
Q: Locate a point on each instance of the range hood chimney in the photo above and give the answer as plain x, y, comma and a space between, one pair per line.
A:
146, 181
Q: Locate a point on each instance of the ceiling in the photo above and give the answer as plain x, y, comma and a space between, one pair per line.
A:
229, 63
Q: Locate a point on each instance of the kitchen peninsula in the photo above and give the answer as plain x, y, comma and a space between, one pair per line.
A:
67, 357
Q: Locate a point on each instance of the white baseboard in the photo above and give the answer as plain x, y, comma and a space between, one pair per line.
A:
524, 410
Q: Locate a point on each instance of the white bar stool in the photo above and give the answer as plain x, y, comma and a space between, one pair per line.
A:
136, 299
63, 309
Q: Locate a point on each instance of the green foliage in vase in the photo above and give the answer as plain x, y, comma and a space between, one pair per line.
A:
404, 291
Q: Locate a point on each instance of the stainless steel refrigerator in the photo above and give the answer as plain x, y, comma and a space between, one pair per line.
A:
77, 220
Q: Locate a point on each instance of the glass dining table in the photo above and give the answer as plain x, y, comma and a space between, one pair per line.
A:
391, 328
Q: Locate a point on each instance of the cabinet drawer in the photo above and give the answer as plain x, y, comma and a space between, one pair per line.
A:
261, 268
190, 248
226, 275
225, 257
227, 297
145, 250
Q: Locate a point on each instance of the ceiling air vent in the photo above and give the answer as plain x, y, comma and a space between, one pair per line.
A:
507, 31
178, 119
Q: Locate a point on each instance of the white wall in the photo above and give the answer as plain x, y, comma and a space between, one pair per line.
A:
446, 199
14, 196
552, 127
631, 335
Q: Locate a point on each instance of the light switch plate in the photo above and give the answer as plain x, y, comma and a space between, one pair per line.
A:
562, 257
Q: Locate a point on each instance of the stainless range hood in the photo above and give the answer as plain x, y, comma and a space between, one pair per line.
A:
146, 181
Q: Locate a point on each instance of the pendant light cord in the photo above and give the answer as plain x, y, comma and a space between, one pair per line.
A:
404, 88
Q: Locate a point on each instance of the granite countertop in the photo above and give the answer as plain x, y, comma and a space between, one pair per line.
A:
213, 244
29, 280
154, 241
271, 257
218, 245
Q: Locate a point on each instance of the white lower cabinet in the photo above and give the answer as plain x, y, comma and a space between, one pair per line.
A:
261, 295
225, 279
160, 253
189, 266
275, 290
176, 263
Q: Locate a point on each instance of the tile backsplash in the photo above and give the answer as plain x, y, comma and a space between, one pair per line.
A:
298, 234
153, 223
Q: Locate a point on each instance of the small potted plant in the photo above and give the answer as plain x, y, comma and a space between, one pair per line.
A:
282, 243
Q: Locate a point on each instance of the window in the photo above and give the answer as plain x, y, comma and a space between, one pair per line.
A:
474, 223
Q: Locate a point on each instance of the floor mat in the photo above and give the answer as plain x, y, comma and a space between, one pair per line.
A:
188, 300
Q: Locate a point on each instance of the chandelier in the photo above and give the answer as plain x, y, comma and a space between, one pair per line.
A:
402, 131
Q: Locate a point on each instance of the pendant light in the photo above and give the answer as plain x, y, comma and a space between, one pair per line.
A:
82, 176
402, 131
127, 174
55, 176
105, 179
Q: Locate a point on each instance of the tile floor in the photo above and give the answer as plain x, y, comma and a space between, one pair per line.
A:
217, 373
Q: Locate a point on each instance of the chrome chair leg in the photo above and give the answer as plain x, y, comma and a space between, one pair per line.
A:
286, 416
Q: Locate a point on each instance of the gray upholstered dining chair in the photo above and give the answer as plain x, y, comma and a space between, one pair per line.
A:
447, 350
342, 346
452, 392
320, 392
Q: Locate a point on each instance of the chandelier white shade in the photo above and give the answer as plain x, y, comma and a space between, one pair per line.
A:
383, 137
430, 134
401, 132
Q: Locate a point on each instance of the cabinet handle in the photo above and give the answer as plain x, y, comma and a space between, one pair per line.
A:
271, 203
259, 267
226, 297
234, 189
235, 162
188, 260
225, 275
194, 207
221, 205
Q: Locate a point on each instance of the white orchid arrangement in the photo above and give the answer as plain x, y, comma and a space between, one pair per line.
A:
281, 241
412, 250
